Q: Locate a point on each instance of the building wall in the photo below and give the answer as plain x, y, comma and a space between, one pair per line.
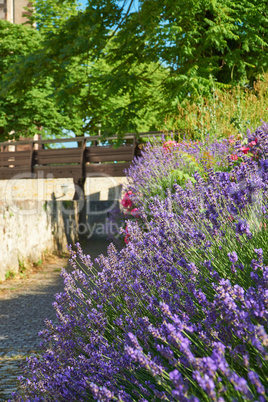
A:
2, 9
13, 10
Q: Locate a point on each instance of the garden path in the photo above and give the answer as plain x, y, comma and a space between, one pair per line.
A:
24, 304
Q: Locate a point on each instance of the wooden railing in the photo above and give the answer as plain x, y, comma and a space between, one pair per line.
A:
31, 159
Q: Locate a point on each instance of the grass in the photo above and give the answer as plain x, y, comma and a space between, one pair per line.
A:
38, 263
10, 275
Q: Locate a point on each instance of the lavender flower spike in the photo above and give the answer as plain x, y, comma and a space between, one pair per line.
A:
233, 257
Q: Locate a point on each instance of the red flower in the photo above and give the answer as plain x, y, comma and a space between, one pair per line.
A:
168, 145
234, 157
244, 150
126, 201
127, 236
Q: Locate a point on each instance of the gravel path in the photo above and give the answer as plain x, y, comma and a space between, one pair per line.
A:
24, 304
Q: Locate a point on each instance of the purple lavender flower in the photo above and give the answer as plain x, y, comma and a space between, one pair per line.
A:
162, 318
242, 227
233, 257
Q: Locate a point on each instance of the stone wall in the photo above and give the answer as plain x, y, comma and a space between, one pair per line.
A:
29, 228
101, 188
39, 214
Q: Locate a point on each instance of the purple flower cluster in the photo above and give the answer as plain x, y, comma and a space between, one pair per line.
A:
180, 313
150, 325
151, 174
240, 185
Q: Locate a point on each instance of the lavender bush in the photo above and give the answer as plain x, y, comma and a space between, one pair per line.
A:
156, 170
165, 164
180, 313
155, 326
152, 174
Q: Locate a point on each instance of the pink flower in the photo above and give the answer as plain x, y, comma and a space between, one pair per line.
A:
262, 225
135, 212
244, 150
127, 236
252, 143
126, 201
168, 145
234, 157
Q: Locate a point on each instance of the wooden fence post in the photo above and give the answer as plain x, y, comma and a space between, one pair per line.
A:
80, 183
32, 157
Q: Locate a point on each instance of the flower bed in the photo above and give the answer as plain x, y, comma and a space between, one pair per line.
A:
180, 313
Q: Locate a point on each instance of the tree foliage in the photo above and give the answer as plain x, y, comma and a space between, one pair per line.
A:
23, 113
49, 15
128, 66
198, 40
